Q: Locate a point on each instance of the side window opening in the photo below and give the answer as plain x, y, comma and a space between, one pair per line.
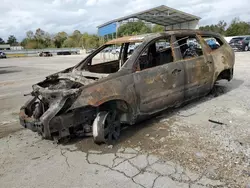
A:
106, 61
189, 46
156, 54
131, 48
213, 42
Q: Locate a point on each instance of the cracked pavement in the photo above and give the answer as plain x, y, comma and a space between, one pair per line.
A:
34, 162
177, 148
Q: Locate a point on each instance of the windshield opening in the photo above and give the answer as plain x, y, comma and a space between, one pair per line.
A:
108, 59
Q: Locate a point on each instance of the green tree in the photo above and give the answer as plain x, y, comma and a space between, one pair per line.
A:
42, 39
222, 27
12, 40
39, 37
60, 38
158, 28
238, 27
47, 41
133, 28
32, 44
89, 41
29, 43
92, 42
76, 36
39, 34
30, 34
83, 40
2, 41
69, 43
24, 42
218, 28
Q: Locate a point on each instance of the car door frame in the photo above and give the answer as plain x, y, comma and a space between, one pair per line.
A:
165, 98
199, 85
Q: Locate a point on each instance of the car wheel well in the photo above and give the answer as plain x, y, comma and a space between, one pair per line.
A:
121, 106
225, 74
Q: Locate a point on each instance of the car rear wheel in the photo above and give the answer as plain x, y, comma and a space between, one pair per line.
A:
106, 127
246, 48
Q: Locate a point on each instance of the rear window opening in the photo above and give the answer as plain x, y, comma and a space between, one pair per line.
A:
213, 42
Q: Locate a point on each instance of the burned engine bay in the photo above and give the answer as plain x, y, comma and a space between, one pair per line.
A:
48, 111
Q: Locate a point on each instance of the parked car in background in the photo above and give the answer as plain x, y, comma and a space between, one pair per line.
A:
98, 95
109, 49
162, 45
240, 43
116, 50
64, 53
45, 54
131, 49
2, 55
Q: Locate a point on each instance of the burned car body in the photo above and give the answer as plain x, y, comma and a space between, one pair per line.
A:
99, 94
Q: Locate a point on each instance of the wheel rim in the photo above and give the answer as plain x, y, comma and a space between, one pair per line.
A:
106, 127
246, 48
111, 127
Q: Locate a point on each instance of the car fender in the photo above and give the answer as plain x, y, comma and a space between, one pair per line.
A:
114, 89
224, 59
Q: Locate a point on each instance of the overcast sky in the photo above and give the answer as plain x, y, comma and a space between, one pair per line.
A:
53, 16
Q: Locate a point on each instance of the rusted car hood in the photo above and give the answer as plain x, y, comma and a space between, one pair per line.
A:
82, 77
69, 79
64, 84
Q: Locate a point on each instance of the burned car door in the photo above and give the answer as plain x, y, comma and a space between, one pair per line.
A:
159, 82
198, 66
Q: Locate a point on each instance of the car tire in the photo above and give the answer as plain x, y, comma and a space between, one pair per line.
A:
106, 127
246, 48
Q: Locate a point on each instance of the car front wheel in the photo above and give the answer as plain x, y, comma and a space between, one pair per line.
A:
106, 127
246, 48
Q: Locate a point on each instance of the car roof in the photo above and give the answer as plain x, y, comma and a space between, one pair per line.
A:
126, 39
141, 38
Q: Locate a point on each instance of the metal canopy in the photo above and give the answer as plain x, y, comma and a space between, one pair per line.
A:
161, 15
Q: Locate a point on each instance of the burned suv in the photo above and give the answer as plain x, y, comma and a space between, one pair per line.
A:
105, 90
